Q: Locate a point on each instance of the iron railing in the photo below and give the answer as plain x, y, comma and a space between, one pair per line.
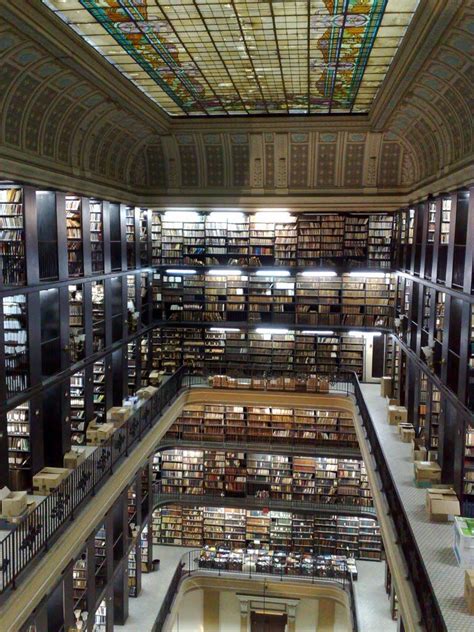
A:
169, 598
347, 383
216, 499
37, 532
191, 564
42, 526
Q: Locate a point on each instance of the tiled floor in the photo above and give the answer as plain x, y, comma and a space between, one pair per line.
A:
434, 540
144, 609
373, 606
372, 602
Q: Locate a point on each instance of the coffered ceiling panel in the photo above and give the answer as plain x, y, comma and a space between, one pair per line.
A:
221, 57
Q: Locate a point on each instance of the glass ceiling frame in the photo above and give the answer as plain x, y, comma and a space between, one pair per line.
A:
236, 57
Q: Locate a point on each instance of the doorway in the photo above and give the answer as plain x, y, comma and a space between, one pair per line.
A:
265, 622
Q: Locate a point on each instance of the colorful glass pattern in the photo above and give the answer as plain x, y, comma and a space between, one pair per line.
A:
205, 57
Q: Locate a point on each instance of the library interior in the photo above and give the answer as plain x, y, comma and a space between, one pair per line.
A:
236, 316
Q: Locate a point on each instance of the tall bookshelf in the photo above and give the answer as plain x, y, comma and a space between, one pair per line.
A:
15, 337
75, 255
78, 408
76, 323
97, 235
19, 445
12, 236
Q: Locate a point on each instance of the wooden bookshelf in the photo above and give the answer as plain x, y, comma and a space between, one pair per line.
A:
237, 528
19, 445
221, 423
322, 480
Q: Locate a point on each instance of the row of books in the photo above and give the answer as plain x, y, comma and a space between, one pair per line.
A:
289, 531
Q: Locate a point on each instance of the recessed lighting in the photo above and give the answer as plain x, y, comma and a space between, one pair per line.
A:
180, 272
273, 273
319, 273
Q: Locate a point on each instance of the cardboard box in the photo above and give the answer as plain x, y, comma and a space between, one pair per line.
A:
469, 590
323, 386
74, 457
4, 493
407, 434
98, 433
119, 414
426, 473
146, 392
393, 401
386, 387
155, 378
397, 415
418, 450
464, 542
49, 478
442, 504
14, 504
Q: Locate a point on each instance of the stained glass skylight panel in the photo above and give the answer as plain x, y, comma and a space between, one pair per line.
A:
215, 57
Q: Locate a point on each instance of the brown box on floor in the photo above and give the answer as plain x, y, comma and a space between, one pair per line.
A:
442, 503
386, 387
49, 478
397, 415
426, 473
14, 504
469, 590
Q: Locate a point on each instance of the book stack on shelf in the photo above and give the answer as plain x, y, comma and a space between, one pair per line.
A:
194, 238
254, 423
99, 399
98, 315
132, 382
236, 528
132, 573
74, 236
214, 471
130, 236
321, 480
356, 237
79, 582
100, 618
352, 353
192, 526
469, 464
78, 414
12, 237
132, 504
145, 359
155, 238
262, 239
18, 430
145, 550
379, 247
318, 300
97, 236
213, 524
15, 338
286, 243
434, 417
143, 236
76, 323
100, 558
132, 320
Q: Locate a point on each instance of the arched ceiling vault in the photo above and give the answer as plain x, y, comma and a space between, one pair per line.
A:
75, 119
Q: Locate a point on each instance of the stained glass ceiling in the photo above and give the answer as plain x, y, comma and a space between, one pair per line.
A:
215, 57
